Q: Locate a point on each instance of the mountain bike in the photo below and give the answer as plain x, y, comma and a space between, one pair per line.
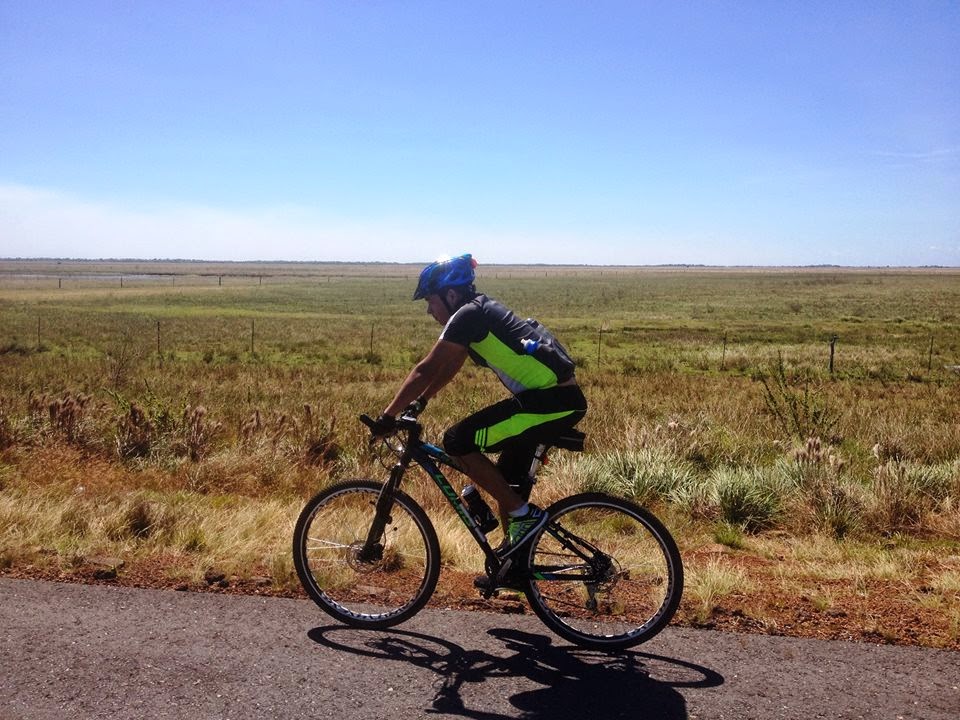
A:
602, 573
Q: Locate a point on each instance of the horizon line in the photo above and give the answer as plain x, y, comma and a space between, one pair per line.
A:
703, 266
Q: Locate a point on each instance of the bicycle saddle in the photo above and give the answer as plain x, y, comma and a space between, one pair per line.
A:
569, 440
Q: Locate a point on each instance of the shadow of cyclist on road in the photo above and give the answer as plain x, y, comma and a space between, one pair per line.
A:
573, 683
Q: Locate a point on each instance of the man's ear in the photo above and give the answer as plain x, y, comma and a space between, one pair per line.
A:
452, 297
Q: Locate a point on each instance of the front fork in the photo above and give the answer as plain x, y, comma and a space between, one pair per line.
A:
372, 549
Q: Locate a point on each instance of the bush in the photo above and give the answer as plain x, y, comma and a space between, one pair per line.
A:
798, 408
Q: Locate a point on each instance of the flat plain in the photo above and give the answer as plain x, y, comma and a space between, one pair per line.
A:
797, 429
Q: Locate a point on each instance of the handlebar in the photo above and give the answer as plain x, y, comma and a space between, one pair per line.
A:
407, 418
406, 421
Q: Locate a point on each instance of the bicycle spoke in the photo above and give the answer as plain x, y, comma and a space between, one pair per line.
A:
376, 586
609, 598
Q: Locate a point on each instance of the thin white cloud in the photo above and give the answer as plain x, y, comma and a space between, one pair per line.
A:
922, 156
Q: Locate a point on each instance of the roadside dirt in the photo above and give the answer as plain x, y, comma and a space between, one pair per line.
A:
873, 612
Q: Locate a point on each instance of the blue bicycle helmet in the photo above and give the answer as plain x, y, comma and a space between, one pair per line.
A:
445, 273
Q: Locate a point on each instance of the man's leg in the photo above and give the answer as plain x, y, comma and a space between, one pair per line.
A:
484, 473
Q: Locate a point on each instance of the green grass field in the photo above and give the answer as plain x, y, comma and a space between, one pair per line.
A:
179, 396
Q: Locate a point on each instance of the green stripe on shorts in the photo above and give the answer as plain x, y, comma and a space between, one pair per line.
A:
513, 426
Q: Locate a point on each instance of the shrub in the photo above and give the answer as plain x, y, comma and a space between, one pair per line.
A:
797, 407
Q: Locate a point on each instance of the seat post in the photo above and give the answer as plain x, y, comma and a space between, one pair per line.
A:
537, 462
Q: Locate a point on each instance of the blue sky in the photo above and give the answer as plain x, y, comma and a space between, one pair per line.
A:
722, 133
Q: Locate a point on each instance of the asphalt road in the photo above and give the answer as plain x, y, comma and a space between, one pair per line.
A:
102, 652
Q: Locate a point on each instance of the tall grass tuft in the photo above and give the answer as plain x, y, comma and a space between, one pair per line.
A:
826, 499
706, 585
137, 517
748, 497
135, 435
646, 476
902, 495
8, 436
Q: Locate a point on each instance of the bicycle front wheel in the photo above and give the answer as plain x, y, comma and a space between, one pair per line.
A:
374, 588
604, 572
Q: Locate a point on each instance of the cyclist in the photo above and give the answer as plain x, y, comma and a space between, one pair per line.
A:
545, 401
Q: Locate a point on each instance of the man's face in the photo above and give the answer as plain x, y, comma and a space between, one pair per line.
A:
437, 309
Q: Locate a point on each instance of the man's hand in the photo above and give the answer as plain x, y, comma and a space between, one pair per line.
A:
383, 425
416, 407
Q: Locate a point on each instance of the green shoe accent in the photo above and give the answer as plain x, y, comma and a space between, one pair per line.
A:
521, 528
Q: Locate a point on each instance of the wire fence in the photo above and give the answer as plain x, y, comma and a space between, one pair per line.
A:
369, 340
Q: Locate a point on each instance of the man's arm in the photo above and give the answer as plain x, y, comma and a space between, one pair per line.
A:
429, 375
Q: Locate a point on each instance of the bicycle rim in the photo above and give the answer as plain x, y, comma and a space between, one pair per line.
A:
379, 591
605, 573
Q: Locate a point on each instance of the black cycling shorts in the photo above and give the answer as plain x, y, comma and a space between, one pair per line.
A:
528, 418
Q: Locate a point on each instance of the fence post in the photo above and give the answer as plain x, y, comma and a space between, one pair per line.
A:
833, 344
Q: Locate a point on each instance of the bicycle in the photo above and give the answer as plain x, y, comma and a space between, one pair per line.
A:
603, 572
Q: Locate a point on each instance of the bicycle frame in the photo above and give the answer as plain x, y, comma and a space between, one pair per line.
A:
429, 457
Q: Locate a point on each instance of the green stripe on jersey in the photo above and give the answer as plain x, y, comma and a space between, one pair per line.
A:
522, 369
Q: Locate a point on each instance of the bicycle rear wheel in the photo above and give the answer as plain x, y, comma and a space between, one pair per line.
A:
604, 572
377, 589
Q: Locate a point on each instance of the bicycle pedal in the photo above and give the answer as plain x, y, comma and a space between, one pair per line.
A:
507, 578
486, 585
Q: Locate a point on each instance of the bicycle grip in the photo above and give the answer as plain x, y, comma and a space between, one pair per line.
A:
368, 421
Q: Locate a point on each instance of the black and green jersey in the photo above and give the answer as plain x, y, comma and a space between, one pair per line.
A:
522, 353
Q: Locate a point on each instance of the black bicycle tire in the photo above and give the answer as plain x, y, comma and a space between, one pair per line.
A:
325, 602
667, 546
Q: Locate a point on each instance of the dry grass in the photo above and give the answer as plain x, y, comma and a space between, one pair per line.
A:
708, 583
202, 453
